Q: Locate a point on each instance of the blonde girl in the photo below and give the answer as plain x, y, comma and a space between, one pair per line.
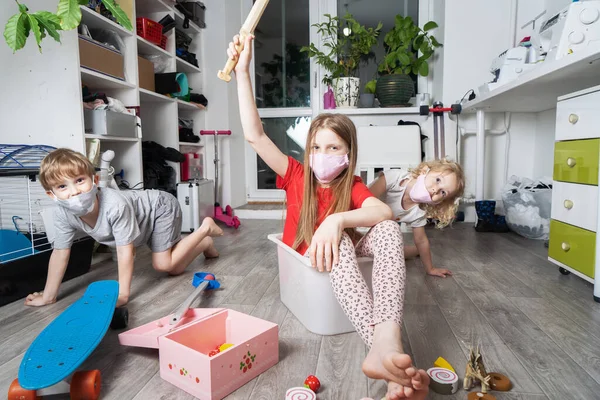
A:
429, 191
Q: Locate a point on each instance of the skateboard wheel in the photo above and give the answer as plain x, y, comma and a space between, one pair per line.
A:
229, 210
500, 382
455, 109
85, 385
120, 318
424, 110
16, 392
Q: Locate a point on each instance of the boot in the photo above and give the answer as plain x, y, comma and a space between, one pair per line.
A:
485, 215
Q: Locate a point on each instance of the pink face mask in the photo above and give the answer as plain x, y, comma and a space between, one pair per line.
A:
327, 167
419, 192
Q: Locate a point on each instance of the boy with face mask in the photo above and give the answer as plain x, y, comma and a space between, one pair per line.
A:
121, 219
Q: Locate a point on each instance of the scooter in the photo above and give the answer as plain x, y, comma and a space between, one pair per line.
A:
226, 215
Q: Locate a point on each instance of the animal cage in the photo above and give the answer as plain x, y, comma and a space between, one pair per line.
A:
26, 215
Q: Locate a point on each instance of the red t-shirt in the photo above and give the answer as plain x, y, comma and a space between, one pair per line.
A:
293, 184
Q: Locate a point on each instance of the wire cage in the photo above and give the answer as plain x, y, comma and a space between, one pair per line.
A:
22, 155
26, 232
22, 201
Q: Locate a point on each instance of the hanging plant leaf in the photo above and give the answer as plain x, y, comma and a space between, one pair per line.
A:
118, 13
35, 28
16, 30
429, 26
69, 13
48, 22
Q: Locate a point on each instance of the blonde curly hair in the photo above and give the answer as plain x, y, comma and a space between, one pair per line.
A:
445, 211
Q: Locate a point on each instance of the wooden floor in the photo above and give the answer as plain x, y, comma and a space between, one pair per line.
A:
540, 328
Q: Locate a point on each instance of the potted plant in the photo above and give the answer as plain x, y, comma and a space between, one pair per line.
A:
368, 97
42, 23
345, 42
408, 47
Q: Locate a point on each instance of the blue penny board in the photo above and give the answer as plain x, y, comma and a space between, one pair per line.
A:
64, 344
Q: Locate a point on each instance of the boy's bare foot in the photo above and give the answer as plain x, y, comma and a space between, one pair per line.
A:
211, 227
122, 300
386, 359
211, 252
417, 391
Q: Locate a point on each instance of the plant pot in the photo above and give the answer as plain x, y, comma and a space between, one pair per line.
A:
367, 100
346, 91
395, 90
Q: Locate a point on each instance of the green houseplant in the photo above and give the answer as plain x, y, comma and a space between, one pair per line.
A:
408, 47
345, 43
368, 97
43, 23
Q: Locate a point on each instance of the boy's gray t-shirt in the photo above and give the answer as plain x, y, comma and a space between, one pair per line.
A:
124, 217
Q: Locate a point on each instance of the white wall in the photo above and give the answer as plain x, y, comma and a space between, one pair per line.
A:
26, 87
222, 113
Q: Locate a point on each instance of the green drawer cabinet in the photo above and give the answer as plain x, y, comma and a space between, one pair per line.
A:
577, 161
573, 246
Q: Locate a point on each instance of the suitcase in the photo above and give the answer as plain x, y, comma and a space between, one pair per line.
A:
196, 202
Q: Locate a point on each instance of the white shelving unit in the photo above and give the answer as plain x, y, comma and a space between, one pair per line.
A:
54, 78
160, 114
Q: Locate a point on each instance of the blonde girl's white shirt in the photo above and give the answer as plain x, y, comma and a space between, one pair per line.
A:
414, 216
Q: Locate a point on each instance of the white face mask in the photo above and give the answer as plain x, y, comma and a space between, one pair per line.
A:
81, 204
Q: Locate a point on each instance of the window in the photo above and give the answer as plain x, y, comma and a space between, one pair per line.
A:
282, 71
369, 14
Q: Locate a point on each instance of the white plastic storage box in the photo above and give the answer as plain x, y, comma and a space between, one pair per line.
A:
105, 122
308, 294
196, 199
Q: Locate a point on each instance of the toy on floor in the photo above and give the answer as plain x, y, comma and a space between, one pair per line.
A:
202, 281
443, 381
226, 215
475, 372
313, 383
480, 396
186, 340
300, 393
64, 344
499, 382
441, 363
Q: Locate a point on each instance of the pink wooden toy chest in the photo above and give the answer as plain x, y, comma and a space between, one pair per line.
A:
183, 350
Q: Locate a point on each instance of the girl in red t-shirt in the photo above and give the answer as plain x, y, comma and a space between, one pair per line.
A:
324, 198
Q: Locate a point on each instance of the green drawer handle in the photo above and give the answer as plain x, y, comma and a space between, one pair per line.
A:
568, 204
565, 246
571, 162
573, 118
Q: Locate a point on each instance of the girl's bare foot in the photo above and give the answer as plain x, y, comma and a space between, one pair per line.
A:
212, 229
418, 389
386, 359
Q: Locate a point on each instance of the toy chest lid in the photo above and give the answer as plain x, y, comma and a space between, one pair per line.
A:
147, 335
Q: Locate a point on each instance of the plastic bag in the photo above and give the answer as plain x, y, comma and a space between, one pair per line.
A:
527, 205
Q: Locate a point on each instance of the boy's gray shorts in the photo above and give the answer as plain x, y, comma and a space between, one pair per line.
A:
167, 223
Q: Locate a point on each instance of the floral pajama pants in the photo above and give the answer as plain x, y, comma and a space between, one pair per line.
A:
384, 243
